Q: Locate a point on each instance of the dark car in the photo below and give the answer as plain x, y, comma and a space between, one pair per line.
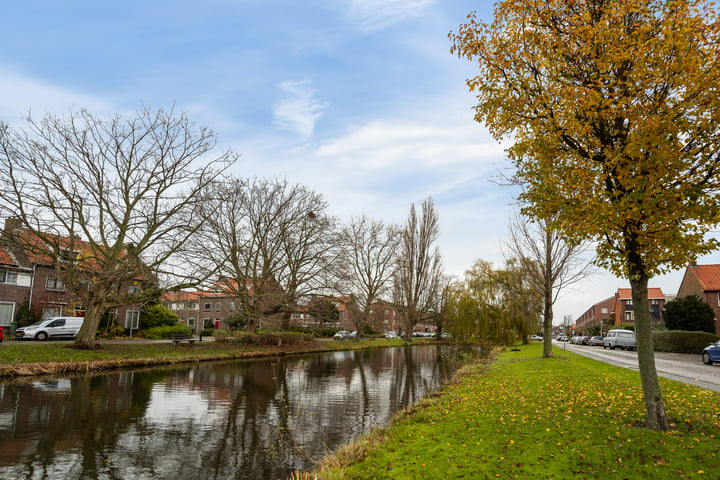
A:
711, 353
584, 340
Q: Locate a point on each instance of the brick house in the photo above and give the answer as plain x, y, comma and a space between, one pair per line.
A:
602, 315
703, 281
30, 278
619, 309
624, 309
16, 280
202, 309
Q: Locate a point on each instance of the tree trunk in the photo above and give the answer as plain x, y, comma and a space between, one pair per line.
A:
547, 326
654, 405
86, 336
548, 295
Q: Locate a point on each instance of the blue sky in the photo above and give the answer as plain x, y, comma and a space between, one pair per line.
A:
360, 100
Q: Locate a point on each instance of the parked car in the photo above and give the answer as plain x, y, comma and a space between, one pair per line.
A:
585, 340
343, 335
711, 353
562, 338
536, 337
1, 334
391, 334
596, 341
623, 339
53, 327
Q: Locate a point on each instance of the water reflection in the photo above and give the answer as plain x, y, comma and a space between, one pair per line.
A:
249, 420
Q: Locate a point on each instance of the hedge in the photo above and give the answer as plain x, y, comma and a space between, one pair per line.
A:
678, 341
262, 338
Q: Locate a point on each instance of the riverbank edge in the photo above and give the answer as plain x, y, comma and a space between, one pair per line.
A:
357, 450
54, 368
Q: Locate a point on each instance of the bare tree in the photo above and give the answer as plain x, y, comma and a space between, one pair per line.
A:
548, 263
128, 186
368, 252
270, 242
418, 269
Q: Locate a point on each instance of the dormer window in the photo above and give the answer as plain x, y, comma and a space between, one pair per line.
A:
68, 256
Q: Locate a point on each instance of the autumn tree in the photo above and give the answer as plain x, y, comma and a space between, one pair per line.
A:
109, 203
418, 269
548, 264
368, 250
612, 109
269, 242
494, 306
519, 301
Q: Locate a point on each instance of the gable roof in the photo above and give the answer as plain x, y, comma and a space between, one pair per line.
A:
708, 276
6, 258
653, 293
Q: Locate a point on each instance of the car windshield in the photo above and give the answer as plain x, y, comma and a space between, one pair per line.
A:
38, 323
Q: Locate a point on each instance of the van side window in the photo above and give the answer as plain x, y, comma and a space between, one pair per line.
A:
57, 323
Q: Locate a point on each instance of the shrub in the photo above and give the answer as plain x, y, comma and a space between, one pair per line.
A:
161, 333
157, 316
689, 314
24, 316
677, 341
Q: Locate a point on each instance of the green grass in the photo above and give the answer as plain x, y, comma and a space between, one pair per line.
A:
522, 416
29, 359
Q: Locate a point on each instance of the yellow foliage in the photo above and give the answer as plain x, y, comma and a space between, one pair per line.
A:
613, 109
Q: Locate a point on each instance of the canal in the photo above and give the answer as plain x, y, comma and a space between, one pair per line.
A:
226, 420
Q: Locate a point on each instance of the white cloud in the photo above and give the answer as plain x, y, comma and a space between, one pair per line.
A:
373, 15
24, 94
297, 110
384, 144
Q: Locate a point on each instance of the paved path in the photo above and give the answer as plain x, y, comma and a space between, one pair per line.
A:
676, 366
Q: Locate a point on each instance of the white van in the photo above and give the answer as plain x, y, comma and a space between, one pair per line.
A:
53, 327
624, 339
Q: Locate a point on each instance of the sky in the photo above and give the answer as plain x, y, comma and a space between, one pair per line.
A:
360, 100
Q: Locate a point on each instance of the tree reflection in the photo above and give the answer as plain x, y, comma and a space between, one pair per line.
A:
254, 420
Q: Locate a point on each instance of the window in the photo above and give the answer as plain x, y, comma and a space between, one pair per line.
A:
7, 311
206, 307
8, 277
132, 319
218, 305
54, 283
68, 256
194, 306
133, 290
604, 310
231, 306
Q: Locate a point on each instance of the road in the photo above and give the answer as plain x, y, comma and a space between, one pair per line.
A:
676, 366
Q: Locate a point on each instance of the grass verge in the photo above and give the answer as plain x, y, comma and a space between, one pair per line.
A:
522, 416
53, 359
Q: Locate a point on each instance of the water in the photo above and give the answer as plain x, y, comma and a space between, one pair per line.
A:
227, 420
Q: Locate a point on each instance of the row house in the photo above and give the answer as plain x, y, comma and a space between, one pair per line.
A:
212, 308
30, 278
619, 309
704, 282
601, 315
202, 309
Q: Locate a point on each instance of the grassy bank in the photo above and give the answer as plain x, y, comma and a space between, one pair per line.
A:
521, 416
52, 359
